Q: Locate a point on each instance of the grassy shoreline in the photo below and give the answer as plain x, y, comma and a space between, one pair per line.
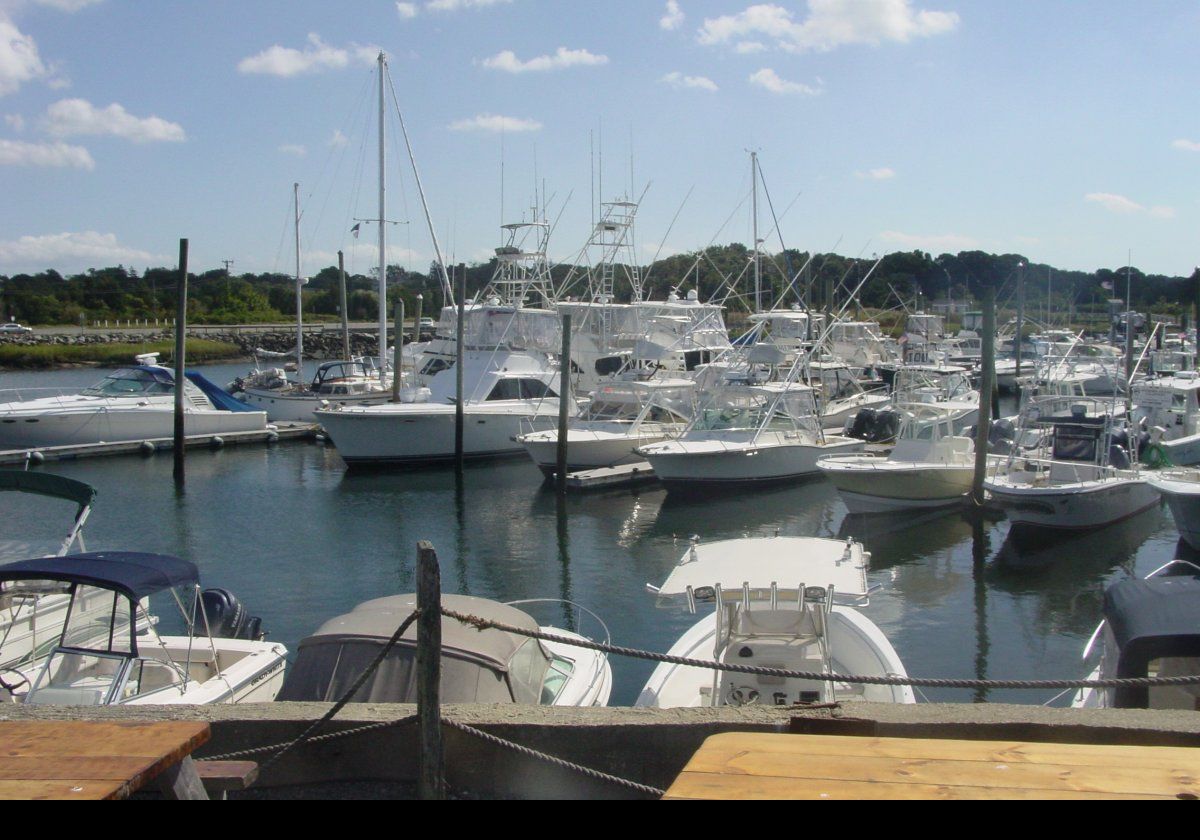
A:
51, 356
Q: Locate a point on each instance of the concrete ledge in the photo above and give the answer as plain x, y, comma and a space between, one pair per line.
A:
645, 745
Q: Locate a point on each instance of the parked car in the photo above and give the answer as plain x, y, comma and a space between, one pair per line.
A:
13, 328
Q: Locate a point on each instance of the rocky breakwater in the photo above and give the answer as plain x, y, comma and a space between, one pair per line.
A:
319, 343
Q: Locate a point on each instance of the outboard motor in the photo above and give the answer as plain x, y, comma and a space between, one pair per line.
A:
885, 426
856, 426
227, 618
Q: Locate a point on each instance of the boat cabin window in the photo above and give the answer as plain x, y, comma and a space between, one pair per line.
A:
521, 389
1076, 443
131, 382
527, 672
436, 365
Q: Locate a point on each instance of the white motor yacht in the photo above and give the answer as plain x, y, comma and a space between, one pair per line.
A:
478, 666
130, 404
748, 433
788, 603
357, 382
946, 386
1181, 490
620, 416
929, 467
109, 652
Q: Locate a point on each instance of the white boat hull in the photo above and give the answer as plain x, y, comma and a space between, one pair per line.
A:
1183, 498
1085, 504
298, 408
587, 450
414, 434
725, 461
104, 424
875, 485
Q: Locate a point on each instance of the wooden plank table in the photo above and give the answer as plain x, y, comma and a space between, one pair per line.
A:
740, 765
98, 760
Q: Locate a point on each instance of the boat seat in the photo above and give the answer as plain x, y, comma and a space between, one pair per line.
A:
66, 697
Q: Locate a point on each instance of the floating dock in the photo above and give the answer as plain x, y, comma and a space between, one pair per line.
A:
275, 432
624, 475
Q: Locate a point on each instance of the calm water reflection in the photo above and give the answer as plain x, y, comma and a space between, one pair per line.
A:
299, 540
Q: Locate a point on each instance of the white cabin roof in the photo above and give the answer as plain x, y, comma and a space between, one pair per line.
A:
787, 562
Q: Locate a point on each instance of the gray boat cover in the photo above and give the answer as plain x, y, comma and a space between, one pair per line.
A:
478, 666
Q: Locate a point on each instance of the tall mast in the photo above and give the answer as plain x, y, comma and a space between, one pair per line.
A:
754, 211
299, 294
383, 313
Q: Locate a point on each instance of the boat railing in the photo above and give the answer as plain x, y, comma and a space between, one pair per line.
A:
19, 395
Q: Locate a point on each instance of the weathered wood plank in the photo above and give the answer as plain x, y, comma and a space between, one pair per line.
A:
12, 789
1156, 780
712, 786
74, 738
938, 749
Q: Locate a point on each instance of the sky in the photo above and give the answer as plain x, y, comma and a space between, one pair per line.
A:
1065, 131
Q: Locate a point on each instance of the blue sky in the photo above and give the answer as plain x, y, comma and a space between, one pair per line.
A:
1066, 131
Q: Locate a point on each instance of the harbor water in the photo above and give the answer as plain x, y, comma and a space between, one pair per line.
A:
299, 540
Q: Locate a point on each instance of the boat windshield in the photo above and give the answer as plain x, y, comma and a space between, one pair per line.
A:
751, 410
128, 382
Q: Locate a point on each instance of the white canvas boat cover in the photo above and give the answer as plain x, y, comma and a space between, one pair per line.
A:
787, 562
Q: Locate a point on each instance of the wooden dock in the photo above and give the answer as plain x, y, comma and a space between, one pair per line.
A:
625, 475
275, 432
770, 766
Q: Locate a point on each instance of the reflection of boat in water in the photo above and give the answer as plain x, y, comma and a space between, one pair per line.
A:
804, 508
478, 666
1033, 547
779, 602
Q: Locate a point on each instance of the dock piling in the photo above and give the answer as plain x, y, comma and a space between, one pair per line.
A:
564, 394
430, 783
180, 350
983, 427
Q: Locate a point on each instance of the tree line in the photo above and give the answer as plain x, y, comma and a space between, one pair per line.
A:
720, 272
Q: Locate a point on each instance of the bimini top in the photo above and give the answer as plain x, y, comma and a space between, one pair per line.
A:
1152, 619
46, 484
787, 562
134, 575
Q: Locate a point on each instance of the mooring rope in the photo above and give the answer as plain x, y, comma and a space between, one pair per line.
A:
818, 676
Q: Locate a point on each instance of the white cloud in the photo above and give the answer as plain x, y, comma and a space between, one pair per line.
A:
562, 58
338, 139
672, 19
750, 47
829, 24
16, 153
70, 251
1114, 203
455, 5
936, 243
407, 11
883, 173
679, 81
314, 58
67, 5
293, 149
496, 124
19, 59
71, 117
1186, 145
769, 80
15, 121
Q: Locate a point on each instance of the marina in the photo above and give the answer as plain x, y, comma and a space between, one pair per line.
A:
959, 598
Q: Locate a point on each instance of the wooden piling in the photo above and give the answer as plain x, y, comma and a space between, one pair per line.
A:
398, 351
983, 428
430, 775
180, 360
564, 396
345, 311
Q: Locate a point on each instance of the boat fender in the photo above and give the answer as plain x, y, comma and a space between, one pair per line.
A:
35, 457
1156, 457
146, 448
1118, 456
217, 442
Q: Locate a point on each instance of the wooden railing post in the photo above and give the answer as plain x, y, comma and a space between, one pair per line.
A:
430, 784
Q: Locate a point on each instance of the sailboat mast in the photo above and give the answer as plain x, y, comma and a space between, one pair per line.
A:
383, 325
754, 211
299, 293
